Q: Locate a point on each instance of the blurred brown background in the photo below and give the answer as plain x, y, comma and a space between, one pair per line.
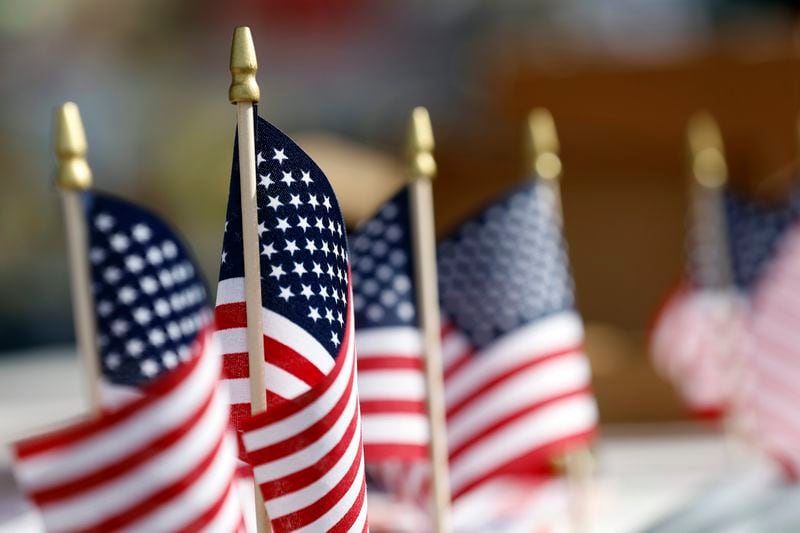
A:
621, 78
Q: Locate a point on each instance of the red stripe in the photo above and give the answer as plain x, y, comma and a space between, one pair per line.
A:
538, 459
500, 423
476, 394
147, 451
288, 408
85, 430
389, 362
307, 515
414, 407
376, 453
296, 364
236, 365
305, 477
462, 360
232, 315
212, 512
239, 413
306, 437
163, 496
447, 328
349, 519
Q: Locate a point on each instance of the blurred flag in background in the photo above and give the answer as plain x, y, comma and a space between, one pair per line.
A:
517, 383
698, 335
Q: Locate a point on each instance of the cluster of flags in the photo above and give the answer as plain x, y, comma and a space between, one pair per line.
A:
174, 436
725, 337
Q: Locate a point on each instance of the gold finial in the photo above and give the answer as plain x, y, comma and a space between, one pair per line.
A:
420, 144
542, 146
73, 170
707, 151
244, 87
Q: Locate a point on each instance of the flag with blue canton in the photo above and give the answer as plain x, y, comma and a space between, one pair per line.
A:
516, 379
150, 301
731, 239
158, 455
309, 350
391, 381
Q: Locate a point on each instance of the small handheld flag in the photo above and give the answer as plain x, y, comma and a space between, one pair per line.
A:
160, 457
306, 447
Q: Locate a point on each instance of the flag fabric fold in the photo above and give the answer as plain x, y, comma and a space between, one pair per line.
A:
159, 456
306, 449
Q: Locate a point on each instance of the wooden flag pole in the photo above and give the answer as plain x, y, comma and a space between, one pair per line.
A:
709, 176
73, 177
709, 173
244, 93
544, 164
422, 170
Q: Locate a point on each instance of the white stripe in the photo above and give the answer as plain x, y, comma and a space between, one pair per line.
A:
197, 498
394, 341
279, 381
549, 424
230, 291
524, 344
523, 389
125, 492
232, 340
113, 396
395, 428
454, 345
238, 390
290, 334
391, 385
335, 513
288, 427
230, 515
361, 521
300, 499
313, 452
87, 455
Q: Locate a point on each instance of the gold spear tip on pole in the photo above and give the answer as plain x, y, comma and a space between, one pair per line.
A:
541, 145
707, 151
244, 87
421, 144
70, 144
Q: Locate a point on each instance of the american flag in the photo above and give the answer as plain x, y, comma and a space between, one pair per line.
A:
306, 448
770, 351
696, 337
517, 383
159, 457
391, 381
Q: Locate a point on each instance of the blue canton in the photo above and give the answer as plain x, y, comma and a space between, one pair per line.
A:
755, 230
383, 270
150, 301
506, 267
303, 243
